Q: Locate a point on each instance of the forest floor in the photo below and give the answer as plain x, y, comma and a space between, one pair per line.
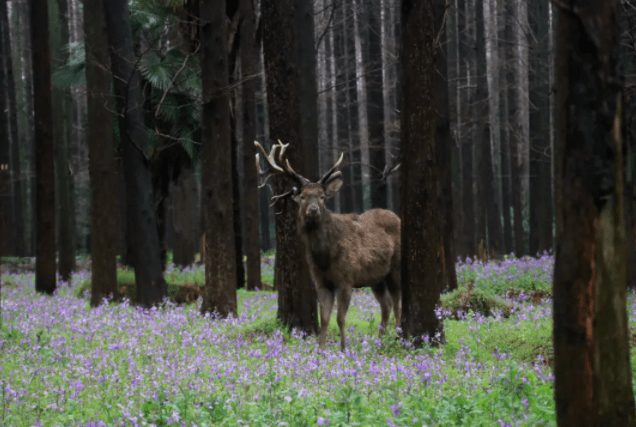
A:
65, 364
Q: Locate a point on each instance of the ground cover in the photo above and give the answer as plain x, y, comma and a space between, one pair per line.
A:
65, 364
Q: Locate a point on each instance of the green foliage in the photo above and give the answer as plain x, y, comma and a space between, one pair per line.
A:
465, 299
174, 77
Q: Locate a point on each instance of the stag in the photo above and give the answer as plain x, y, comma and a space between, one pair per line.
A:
343, 251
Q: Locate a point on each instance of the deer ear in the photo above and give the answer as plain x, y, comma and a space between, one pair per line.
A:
333, 187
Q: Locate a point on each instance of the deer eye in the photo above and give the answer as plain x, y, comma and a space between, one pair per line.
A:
322, 197
302, 197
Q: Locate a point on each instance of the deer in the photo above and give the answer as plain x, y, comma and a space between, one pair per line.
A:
343, 251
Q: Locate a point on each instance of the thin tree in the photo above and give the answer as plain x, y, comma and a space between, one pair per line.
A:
62, 129
250, 179
5, 161
297, 300
220, 269
17, 216
140, 208
593, 376
422, 271
45, 274
444, 141
101, 158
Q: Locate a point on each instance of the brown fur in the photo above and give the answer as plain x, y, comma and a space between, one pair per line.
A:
346, 251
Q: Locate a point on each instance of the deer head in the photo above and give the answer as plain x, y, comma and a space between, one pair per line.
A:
310, 196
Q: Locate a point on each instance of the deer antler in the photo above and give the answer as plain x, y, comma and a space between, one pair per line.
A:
332, 173
273, 169
388, 171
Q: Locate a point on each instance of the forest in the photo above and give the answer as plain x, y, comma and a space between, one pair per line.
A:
317, 212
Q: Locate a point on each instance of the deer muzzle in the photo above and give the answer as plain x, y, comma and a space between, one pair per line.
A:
313, 210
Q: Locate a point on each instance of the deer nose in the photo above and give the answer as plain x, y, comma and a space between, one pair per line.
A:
314, 209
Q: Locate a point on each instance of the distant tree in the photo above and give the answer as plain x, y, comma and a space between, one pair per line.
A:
45, 273
422, 271
593, 376
17, 221
250, 179
62, 130
220, 269
101, 158
297, 300
140, 208
444, 141
5, 161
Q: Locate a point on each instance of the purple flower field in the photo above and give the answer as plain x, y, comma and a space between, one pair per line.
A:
64, 364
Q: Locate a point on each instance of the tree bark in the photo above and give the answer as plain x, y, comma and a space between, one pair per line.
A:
375, 109
236, 205
58, 20
353, 106
469, 247
444, 141
102, 153
488, 184
593, 378
183, 198
45, 274
5, 172
220, 269
421, 261
515, 131
140, 209
15, 176
250, 177
297, 301
506, 180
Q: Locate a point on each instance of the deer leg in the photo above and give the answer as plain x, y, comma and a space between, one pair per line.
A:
325, 297
385, 306
344, 298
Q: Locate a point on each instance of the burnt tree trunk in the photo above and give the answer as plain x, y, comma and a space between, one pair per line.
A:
220, 269
593, 377
297, 300
102, 155
444, 142
422, 271
140, 209
45, 273
250, 178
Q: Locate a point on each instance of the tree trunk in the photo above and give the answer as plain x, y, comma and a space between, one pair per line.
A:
262, 126
515, 131
375, 110
58, 20
45, 277
506, 196
5, 172
140, 209
353, 106
101, 158
183, 206
421, 262
466, 143
15, 176
220, 269
444, 141
250, 177
236, 205
593, 378
340, 50
488, 183
297, 301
